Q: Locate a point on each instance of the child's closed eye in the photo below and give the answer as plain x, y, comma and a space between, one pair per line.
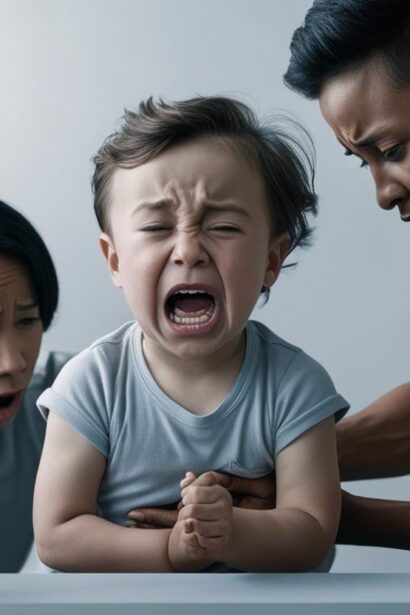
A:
156, 228
225, 228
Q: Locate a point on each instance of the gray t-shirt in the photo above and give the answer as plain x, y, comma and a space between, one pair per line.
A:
108, 394
20, 448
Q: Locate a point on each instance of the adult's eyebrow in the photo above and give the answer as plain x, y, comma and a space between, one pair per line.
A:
25, 307
369, 142
361, 144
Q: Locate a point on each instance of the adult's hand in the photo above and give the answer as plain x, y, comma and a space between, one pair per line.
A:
256, 493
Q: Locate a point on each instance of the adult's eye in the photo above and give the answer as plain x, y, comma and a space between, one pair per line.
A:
28, 322
393, 154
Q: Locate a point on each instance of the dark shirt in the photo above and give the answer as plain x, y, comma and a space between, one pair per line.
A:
20, 449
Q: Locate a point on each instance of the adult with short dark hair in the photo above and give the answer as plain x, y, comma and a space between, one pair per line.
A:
354, 56
28, 301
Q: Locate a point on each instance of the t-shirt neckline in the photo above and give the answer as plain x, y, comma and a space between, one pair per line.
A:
177, 411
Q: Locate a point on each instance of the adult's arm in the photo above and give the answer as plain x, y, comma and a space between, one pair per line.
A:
372, 522
375, 442
69, 534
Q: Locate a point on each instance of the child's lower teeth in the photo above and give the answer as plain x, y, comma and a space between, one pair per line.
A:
191, 320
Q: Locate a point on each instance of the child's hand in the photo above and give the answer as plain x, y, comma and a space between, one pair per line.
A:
207, 514
184, 552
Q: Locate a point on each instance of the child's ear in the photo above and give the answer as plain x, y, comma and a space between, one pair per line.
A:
277, 253
111, 256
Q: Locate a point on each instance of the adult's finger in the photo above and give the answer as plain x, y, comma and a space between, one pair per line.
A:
263, 487
154, 516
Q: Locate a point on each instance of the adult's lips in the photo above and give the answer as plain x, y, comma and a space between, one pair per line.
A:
9, 404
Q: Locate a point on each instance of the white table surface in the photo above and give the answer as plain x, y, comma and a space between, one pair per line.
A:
175, 594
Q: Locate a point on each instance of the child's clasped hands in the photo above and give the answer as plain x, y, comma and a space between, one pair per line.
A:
204, 528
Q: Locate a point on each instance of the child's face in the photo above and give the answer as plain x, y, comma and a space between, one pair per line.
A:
191, 246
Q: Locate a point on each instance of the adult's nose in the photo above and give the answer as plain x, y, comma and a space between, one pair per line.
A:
12, 361
389, 190
189, 251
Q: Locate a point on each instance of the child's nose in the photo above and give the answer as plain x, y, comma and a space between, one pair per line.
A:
189, 251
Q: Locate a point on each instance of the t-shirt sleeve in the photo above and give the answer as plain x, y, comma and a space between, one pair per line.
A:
78, 397
306, 395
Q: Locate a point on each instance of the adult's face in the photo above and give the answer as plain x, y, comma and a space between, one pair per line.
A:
21, 331
370, 116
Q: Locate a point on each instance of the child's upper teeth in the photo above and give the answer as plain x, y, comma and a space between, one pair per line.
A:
191, 292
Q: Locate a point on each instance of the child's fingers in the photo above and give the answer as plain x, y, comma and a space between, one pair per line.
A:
207, 529
204, 495
188, 479
202, 512
210, 544
191, 540
207, 479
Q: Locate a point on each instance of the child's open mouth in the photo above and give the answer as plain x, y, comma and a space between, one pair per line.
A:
191, 309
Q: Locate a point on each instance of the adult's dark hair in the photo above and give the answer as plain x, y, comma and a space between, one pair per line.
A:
339, 34
19, 240
286, 162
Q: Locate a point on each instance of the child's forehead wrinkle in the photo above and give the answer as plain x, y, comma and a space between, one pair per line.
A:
186, 198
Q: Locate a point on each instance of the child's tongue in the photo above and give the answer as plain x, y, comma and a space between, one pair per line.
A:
192, 303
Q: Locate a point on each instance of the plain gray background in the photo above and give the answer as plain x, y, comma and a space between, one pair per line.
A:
69, 67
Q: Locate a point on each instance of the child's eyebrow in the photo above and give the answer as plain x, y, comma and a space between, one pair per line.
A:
153, 205
163, 204
227, 208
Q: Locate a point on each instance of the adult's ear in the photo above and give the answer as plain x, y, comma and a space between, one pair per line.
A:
111, 258
277, 253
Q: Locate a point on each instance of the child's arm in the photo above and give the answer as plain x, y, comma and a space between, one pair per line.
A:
69, 535
296, 535
375, 442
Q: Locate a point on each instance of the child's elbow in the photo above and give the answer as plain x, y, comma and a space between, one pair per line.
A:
320, 541
46, 539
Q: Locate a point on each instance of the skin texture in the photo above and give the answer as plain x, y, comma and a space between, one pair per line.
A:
20, 333
370, 116
214, 230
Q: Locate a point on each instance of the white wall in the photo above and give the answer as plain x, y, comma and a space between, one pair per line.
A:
67, 70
